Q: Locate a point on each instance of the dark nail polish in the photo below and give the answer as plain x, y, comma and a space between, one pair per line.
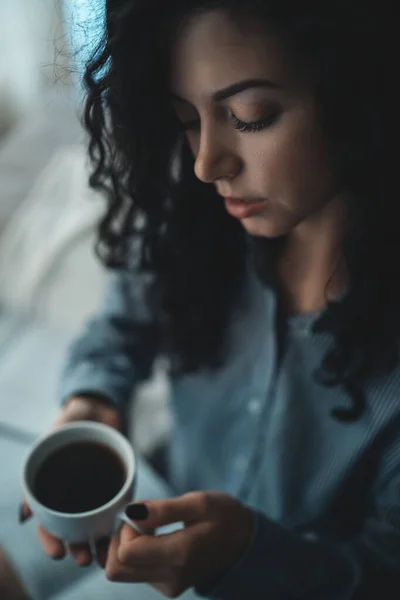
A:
137, 512
22, 515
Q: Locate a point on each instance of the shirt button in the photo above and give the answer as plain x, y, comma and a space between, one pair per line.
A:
241, 463
310, 536
254, 406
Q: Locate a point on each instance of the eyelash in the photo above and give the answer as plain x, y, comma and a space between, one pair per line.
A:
255, 125
240, 125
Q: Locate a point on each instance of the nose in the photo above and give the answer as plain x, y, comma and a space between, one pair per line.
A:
215, 159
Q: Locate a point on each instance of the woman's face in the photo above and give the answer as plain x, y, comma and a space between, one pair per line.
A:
251, 124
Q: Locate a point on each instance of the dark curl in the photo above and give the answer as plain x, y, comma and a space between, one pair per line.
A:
143, 164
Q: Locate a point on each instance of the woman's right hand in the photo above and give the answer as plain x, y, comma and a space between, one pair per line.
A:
78, 408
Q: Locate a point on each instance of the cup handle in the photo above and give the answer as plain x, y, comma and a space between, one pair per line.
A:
122, 517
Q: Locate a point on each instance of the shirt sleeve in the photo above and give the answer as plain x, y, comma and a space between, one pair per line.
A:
118, 345
283, 565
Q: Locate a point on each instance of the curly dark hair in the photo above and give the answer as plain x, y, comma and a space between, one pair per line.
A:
143, 164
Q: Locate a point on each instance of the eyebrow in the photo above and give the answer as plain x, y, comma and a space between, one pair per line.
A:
235, 88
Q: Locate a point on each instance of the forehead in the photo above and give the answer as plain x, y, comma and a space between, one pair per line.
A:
210, 51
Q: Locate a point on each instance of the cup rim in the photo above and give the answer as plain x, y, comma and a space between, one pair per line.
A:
129, 482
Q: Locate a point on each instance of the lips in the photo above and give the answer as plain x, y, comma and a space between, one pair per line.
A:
242, 208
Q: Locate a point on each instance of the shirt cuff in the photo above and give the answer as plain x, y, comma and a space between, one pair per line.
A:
227, 584
87, 379
278, 564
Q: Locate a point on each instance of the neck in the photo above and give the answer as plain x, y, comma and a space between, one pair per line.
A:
311, 269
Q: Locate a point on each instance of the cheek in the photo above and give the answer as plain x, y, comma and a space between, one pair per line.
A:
305, 157
290, 163
193, 141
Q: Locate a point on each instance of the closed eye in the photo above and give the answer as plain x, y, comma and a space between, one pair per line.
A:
243, 126
254, 126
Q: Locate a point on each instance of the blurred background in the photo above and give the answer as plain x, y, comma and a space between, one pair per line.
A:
50, 280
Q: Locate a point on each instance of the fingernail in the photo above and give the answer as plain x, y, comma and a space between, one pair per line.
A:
22, 516
137, 512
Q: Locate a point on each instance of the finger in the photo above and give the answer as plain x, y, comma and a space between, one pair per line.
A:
131, 531
121, 573
52, 546
113, 546
81, 554
188, 508
25, 512
76, 409
116, 571
113, 565
127, 535
170, 550
102, 552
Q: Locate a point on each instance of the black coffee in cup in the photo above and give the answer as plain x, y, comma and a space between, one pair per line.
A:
79, 477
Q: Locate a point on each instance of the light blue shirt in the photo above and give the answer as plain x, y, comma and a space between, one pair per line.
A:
326, 494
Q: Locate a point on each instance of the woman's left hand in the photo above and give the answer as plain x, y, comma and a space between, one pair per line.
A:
218, 530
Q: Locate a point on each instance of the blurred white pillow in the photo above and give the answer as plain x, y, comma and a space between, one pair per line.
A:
47, 264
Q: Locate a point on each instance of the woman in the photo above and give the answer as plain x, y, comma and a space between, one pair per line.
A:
242, 146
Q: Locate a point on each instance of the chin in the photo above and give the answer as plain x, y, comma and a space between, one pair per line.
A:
262, 227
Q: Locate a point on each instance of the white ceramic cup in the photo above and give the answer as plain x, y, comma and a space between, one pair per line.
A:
94, 524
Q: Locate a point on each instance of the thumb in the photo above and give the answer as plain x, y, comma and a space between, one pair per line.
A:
127, 534
189, 508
